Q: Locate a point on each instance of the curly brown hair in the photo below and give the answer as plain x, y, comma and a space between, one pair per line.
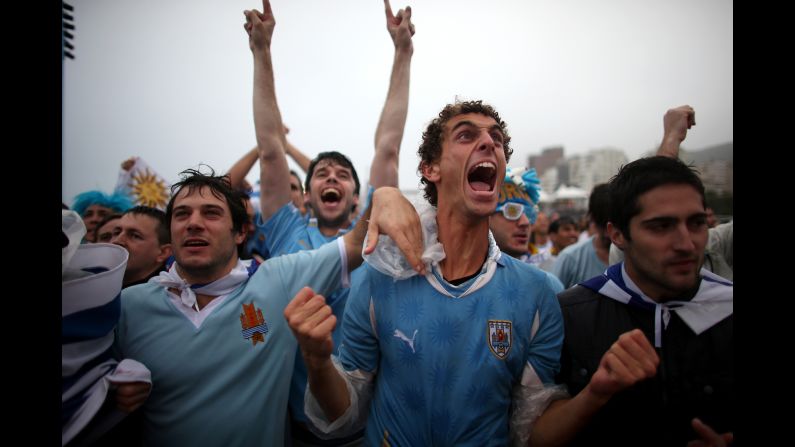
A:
431, 148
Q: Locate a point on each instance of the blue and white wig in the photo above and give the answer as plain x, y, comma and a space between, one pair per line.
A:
523, 186
118, 202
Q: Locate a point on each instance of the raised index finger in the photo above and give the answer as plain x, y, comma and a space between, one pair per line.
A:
388, 8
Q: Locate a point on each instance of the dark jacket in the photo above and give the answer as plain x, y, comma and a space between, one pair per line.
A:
695, 377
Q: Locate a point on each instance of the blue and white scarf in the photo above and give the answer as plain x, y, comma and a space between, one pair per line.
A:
223, 286
713, 302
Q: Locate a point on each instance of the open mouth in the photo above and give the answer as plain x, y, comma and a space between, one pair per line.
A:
330, 196
482, 176
195, 243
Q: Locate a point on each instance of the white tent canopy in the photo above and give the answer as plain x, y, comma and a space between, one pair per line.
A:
544, 197
570, 192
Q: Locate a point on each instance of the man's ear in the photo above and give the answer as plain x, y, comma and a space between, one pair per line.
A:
240, 236
355, 203
165, 253
430, 171
616, 236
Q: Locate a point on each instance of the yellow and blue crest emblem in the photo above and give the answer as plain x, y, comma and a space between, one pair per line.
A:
499, 337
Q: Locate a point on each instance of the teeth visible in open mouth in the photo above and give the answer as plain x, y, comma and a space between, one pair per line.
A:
485, 164
195, 244
481, 176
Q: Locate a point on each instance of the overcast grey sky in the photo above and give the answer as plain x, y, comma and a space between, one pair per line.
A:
171, 81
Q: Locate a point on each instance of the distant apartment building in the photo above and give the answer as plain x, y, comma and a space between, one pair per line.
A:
549, 158
549, 180
599, 165
595, 167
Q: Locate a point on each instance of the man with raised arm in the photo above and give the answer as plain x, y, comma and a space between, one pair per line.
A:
332, 184
648, 354
442, 358
719, 252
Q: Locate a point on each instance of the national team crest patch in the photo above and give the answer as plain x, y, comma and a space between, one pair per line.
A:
254, 326
499, 337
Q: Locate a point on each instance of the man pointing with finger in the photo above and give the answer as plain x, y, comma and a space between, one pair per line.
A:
332, 184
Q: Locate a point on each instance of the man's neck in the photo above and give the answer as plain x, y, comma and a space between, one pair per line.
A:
329, 229
466, 244
541, 239
655, 292
602, 246
206, 277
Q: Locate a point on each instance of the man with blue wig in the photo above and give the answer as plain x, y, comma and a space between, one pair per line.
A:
93, 206
516, 212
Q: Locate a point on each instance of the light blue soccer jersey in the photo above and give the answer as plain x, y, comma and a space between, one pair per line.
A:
578, 263
289, 232
222, 384
256, 243
446, 358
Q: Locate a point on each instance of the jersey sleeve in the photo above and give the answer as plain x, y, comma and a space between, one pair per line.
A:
359, 347
282, 229
546, 337
320, 269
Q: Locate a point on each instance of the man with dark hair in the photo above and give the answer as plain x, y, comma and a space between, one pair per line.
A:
325, 196
143, 232
211, 328
719, 253
562, 232
587, 258
438, 359
648, 352
332, 185
103, 232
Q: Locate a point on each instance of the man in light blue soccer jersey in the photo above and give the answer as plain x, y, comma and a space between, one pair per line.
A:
210, 328
464, 355
332, 184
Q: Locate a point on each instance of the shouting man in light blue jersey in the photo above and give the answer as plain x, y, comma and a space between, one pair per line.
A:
467, 353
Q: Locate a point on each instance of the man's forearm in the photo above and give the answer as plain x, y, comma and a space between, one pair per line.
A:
240, 169
392, 123
564, 418
669, 147
267, 118
354, 240
274, 172
301, 158
328, 387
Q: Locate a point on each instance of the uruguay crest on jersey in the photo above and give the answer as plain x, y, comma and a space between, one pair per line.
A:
499, 337
254, 325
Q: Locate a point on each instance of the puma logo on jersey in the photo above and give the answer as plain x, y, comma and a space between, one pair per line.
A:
399, 334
